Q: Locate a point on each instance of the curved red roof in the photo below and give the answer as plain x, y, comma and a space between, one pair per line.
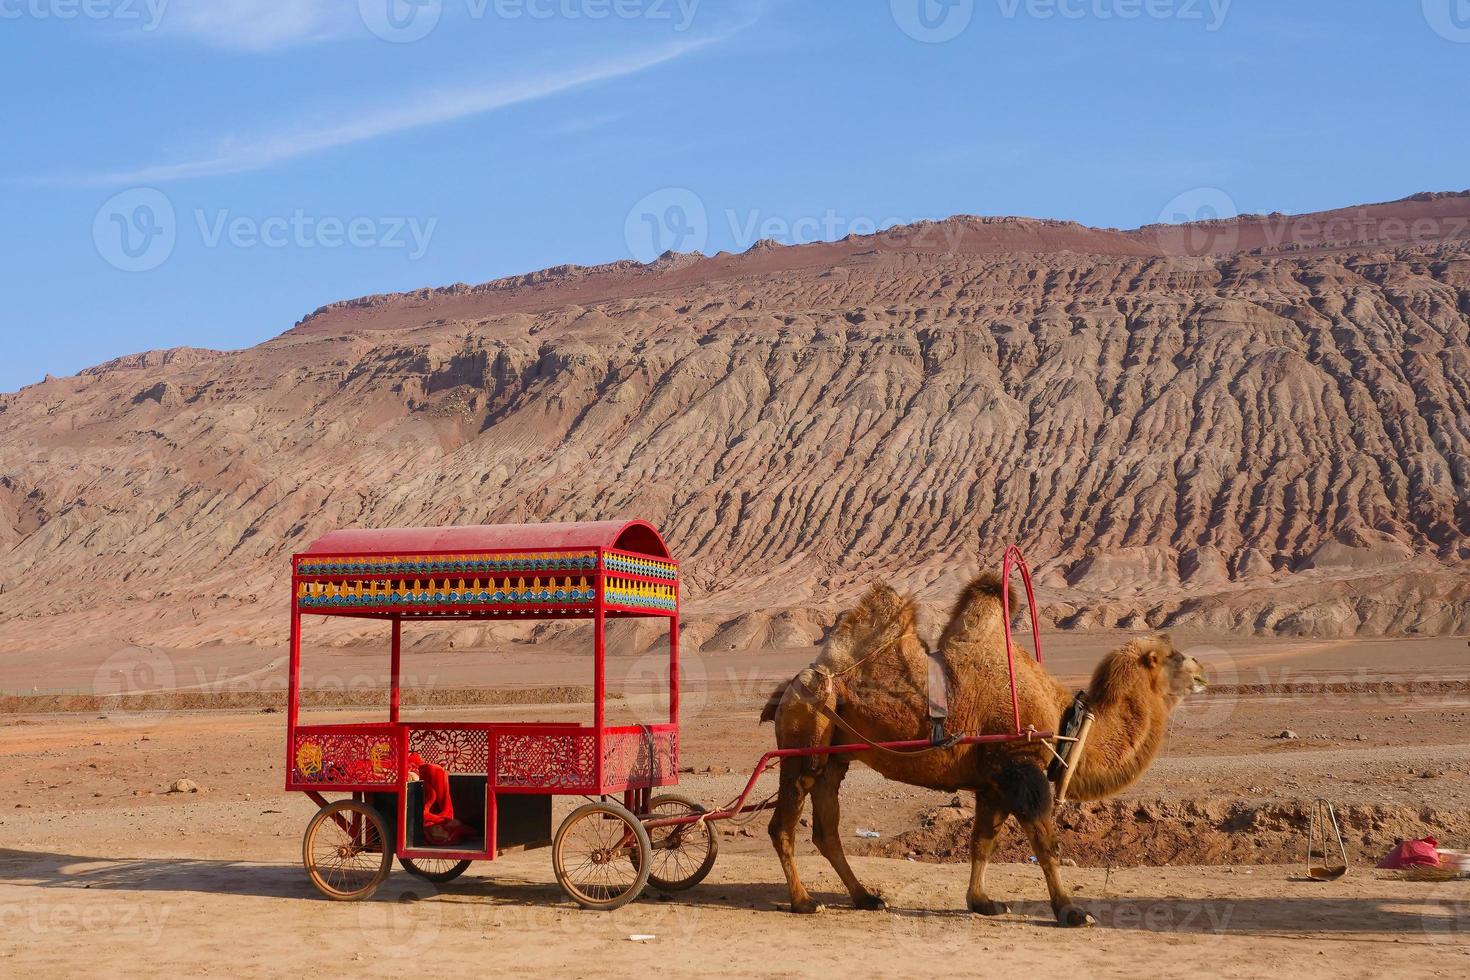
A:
639, 537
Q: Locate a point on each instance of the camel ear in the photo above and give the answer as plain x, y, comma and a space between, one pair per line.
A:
1151, 658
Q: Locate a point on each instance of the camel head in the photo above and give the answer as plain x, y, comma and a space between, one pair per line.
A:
1133, 692
1153, 664
1177, 675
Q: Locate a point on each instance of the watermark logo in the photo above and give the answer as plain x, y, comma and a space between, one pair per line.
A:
401, 21
75, 922
1450, 19
646, 686
680, 13
1198, 223
147, 14
405, 917
1201, 711
136, 230
676, 219
405, 21
672, 219
932, 21
1446, 914
1211, 13
141, 677
306, 231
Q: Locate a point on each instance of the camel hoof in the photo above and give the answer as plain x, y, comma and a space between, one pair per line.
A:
1073, 917
806, 907
989, 907
871, 903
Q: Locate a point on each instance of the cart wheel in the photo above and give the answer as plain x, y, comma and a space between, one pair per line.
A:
683, 854
600, 856
344, 851
437, 870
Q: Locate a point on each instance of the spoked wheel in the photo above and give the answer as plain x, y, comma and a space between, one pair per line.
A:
682, 854
600, 856
345, 851
437, 870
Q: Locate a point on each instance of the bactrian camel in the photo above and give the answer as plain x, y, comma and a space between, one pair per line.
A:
873, 672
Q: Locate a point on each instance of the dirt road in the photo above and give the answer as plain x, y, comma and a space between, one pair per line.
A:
148, 909
102, 869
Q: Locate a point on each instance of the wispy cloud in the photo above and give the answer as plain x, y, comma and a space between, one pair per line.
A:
259, 25
586, 124
433, 107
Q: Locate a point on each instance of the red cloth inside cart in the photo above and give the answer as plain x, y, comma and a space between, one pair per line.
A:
440, 826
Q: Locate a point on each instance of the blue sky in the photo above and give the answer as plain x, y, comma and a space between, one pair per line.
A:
206, 172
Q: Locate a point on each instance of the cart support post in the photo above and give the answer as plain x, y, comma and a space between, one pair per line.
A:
293, 686
674, 661
1014, 559
394, 668
599, 653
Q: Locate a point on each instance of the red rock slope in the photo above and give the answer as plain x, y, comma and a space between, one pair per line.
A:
1256, 425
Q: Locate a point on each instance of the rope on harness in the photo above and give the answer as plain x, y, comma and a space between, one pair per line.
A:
819, 700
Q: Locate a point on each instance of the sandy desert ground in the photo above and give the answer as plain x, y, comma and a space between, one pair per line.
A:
101, 867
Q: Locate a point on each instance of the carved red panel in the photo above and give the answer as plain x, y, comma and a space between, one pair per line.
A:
458, 750
639, 759
564, 761
344, 758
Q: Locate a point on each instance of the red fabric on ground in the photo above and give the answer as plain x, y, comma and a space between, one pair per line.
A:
1422, 853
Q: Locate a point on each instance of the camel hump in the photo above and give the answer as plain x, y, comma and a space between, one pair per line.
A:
987, 587
882, 605
979, 604
773, 703
881, 617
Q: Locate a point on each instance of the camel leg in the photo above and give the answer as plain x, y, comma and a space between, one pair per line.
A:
826, 833
983, 836
796, 782
1043, 834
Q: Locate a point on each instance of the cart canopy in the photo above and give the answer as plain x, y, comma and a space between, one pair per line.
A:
637, 537
615, 568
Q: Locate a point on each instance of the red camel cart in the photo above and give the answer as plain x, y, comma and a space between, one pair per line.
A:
500, 777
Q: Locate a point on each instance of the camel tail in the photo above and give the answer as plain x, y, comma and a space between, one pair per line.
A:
1024, 787
768, 713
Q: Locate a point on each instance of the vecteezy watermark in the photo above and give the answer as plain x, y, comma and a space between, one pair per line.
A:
675, 219
1164, 915
70, 921
1450, 19
131, 675
937, 21
405, 21
1210, 13
1446, 913
137, 230
1197, 223
405, 918
147, 14
302, 230
932, 21
1205, 222
401, 21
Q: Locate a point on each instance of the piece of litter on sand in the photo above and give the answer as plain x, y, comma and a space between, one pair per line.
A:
867, 834
641, 937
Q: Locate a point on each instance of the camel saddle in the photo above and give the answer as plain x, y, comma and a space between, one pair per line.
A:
938, 699
1071, 725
